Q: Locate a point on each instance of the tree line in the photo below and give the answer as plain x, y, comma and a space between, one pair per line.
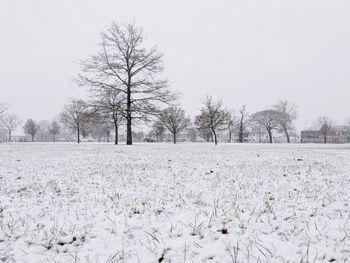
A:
126, 87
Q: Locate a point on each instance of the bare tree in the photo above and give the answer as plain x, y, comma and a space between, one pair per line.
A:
174, 120
232, 126
31, 128
75, 115
125, 65
242, 121
325, 125
287, 114
43, 133
204, 131
213, 116
257, 129
54, 129
267, 119
101, 128
11, 122
109, 104
158, 129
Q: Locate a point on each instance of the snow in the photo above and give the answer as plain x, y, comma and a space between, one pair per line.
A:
174, 203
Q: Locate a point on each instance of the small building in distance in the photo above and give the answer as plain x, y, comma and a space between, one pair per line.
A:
338, 135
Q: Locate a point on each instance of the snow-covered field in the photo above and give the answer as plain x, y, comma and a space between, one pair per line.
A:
174, 203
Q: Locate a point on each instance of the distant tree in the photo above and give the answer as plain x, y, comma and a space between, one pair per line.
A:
287, 114
325, 125
54, 129
231, 126
101, 130
31, 128
174, 120
76, 114
43, 132
242, 121
109, 103
125, 65
10, 122
139, 136
267, 119
213, 116
204, 131
158, 129
257, 129
192, 134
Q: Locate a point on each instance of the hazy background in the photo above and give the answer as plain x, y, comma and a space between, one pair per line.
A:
247, 52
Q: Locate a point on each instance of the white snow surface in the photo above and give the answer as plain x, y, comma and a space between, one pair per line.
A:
174, 203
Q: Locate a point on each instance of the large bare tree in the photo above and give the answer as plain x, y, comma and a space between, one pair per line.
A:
213, 116
287, 112
267, 119
31, 128
109, 104
174, 120
325, 126
10, 122
54, 129
125, 65
76, 114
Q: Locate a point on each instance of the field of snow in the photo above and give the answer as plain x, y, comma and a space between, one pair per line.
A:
174, 203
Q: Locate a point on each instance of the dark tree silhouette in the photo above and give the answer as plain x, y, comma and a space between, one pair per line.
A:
213, 116
10, 122
267, 119
31, 128
75, 115
174, 120
325, 125
109, 103
158, 129
54, 129
287, 113
125, 65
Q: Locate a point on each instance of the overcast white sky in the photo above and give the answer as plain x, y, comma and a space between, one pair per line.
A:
249, 52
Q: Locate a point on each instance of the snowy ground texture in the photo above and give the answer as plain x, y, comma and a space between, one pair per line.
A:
174, 203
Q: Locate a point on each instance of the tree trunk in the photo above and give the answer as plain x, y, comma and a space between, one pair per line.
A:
128, 116
325, 138
215, 137
287, 135
78, 132
174, 136
54, 138
9, 135
32, 137
116, 135
240, 134
230, 136
107, 136
270, 136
